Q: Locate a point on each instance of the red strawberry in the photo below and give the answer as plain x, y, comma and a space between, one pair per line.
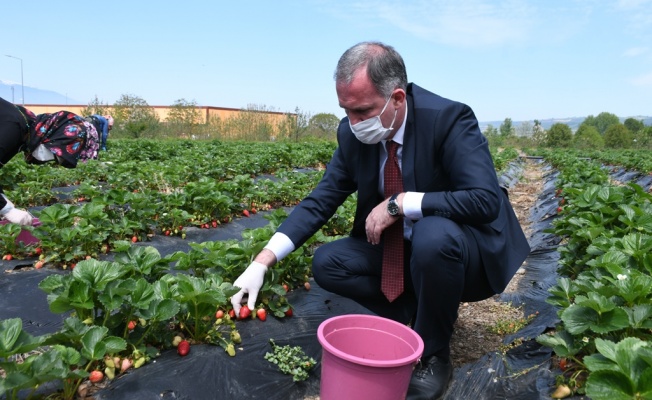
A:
39, 264
134, 239
96, 376
253, 210
219, 314
245, 312
232, 313
7, 257
245, 213
183, 348
286, 287
262, 314
559, 209
214, 223
288, 313
131, 325
563, 364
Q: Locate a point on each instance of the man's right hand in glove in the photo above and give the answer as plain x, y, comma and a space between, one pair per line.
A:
250, 282
14, 215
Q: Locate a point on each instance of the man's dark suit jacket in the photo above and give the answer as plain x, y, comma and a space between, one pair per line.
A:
446, 156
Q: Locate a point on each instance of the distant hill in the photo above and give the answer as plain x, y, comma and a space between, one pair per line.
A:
13, 92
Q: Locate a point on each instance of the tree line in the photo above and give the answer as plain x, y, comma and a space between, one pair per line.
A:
603, 131
135, 118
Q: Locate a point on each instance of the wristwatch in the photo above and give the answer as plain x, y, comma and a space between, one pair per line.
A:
392, 206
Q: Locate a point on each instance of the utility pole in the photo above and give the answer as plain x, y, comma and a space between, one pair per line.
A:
22, 82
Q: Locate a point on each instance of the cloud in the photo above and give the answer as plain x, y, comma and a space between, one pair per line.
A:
638, 13
635, 51
472, 23
642, 80
468, 23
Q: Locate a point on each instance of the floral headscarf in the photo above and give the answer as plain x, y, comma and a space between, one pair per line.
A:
67, 135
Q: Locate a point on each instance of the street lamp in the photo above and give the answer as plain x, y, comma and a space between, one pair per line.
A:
22, 85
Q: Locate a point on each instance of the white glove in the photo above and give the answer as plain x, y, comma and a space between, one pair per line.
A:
14, 215
250, 281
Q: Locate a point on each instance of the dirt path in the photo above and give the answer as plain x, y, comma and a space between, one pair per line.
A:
472, 338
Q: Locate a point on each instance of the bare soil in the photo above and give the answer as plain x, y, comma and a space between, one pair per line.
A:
472, 337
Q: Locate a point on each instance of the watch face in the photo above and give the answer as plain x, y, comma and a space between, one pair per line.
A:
392, 208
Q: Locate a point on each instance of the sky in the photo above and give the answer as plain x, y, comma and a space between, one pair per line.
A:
523, 60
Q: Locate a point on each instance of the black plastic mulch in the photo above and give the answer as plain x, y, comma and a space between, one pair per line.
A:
523, 372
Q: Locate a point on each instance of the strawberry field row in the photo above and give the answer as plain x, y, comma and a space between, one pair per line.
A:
122, 311
603, 340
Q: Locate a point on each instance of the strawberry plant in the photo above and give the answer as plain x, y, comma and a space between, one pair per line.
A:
205, 200
620, 370
291, 361
198, 298
603, 291
8, 235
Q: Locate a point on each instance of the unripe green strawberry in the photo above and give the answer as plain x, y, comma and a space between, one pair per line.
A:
140, 362
231, 350
109, 372
235, 337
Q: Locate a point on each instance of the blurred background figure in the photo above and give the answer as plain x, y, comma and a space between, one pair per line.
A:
103, 124
62, 137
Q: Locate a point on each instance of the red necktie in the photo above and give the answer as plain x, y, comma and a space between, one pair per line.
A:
392, 275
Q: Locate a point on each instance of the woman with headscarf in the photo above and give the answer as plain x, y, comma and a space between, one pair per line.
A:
63, 137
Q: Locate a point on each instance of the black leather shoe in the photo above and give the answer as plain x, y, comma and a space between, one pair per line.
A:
430, 379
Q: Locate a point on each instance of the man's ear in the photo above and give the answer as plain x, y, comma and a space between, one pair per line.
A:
398, 97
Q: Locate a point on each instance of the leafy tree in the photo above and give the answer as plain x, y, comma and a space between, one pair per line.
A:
184, 116
136, 116
618, 137
634, 125
184, 112
603, 121
506, 128
588, 137
95, 107
302, 123
324, 126
559, 135
490, 131
643, 138
525, 129
325, 122
538, 133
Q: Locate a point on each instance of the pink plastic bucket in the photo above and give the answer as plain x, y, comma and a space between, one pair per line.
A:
366, 357
25, 236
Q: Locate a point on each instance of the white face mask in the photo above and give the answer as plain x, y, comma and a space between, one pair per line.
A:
372, 131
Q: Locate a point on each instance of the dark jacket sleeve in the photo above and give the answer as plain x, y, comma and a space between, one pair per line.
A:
12, 129
317, 208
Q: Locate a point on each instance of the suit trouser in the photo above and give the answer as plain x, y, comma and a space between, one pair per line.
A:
442, 268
